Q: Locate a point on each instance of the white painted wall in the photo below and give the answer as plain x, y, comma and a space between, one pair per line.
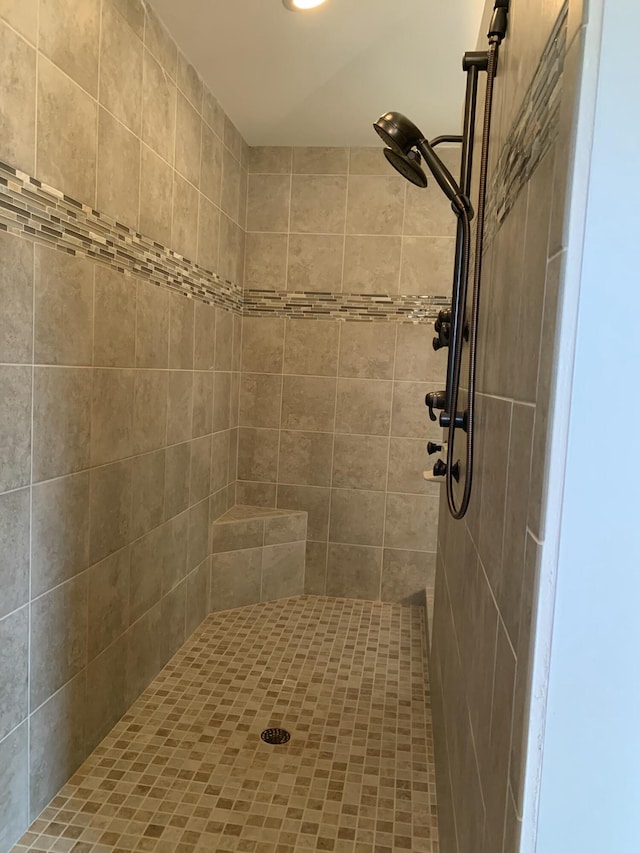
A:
590, 783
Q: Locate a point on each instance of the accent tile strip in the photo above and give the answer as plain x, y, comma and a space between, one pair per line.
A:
534, 130
343, 306
41, 213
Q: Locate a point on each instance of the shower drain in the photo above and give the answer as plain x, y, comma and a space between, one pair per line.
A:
277, 736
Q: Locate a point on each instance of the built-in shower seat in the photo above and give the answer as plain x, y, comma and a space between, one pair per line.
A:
258, 555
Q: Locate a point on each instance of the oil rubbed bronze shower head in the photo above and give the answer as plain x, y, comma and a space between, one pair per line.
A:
402, 136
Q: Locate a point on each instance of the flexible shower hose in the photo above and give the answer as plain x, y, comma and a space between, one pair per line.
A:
459, 512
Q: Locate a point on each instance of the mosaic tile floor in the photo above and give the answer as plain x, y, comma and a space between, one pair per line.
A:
185, 769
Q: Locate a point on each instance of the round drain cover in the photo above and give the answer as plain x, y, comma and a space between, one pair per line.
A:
276, 736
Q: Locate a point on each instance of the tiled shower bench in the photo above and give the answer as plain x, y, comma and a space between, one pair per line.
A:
258, 555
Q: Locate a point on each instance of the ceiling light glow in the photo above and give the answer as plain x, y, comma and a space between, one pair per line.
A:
300, 5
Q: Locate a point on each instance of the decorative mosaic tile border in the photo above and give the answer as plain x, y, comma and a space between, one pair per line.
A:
344, 306
31, 209
534, 130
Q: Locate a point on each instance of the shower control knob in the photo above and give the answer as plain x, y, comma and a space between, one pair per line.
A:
444, 318
433, 447
440, 468
443, 338
435, 400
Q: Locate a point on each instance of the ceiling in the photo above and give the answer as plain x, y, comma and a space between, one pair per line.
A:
322, 77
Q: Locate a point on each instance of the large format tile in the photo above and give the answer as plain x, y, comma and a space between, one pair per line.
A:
14, 669
14, 785
17, 113
16, 293
14, 547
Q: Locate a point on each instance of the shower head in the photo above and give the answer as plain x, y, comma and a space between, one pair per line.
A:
402, 136
408, 166
398, 133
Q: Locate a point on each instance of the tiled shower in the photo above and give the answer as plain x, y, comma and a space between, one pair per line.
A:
190, 326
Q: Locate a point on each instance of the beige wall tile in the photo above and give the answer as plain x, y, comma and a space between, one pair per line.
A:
69, 35
230, 199
410, 417
305, 458
270, 160
23, 16
160, 43
208, 234
14, 669
213, 114
67, 135
203, 391
158, 108
145, 577
266, 261
311, 347
315, 571
114, 319
368, 161
175, 550
63, 308
411, 522
428, 213
308, 403
221, 402
357, 517
58, 638
364, 406
197, 604
184, 231
173, 614
211, 168
152, 326
204, 336
14, 809
121, 69
181, 322
255, 494
56, 742
427, 265
108, 601
320, 161
176, 479
258, 455
106, 692
313, 500
353, 571
282, 570
315, 262
143, 653
148, 492
60, 531
188, 140
262, 345
179, 406
360, 462
133, 11
111, 510
149, 410
189, 82
200, 469
260, 400
406, 575
408, 458
372, 264
15, 546
17, 111
235, 579
112, 415
16, 293
156, 197
367, 350
376, 205
61, 421
415, 357
318, 204
268, 203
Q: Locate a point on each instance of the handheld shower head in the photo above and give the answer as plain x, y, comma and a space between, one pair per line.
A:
408, 166
402, 136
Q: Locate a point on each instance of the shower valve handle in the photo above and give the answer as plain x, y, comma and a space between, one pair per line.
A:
435, 400
444, 319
